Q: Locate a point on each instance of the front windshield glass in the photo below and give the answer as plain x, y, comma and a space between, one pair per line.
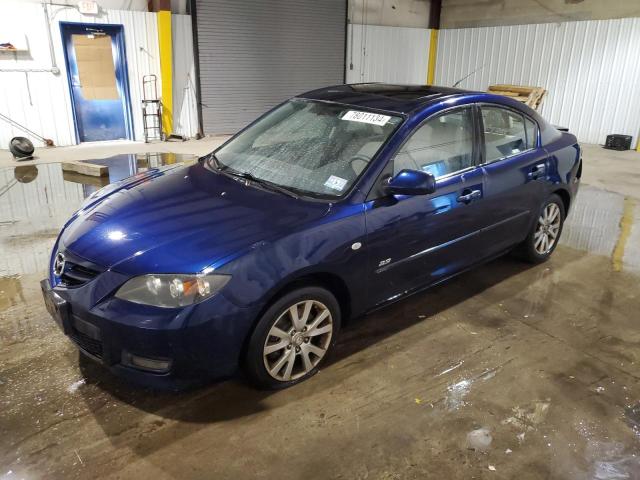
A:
313, 148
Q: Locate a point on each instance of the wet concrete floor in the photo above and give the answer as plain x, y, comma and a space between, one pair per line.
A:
508, 371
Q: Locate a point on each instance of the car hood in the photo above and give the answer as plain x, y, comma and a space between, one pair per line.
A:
181, 220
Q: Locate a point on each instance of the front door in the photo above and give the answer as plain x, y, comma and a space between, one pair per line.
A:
418, 240
96, 70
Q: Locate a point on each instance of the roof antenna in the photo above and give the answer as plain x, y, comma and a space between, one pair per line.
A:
467, 76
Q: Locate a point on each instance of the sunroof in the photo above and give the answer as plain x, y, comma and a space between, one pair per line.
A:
400, 92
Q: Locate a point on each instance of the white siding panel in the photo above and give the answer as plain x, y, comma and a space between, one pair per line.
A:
185, 105
590, 69
40, 100
387, 54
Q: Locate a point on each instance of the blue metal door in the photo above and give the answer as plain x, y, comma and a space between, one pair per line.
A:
97, 74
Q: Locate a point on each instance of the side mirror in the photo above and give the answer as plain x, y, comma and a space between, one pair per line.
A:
411, 182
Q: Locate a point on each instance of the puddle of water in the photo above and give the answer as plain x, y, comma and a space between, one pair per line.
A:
612, 461
123, 166
528, 417
36, 200
456, 394
632, 417
594, 225
10, 292
479, 440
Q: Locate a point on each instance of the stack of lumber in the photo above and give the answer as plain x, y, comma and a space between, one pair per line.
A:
531, 96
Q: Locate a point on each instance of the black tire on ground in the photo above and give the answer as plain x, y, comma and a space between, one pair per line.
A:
254, 361
21, 147
527, 249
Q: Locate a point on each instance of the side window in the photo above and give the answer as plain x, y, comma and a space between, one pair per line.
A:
532, 132
504, 133
441, 146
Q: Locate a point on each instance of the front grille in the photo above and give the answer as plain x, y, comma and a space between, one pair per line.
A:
76, 275
78, 271
90, 345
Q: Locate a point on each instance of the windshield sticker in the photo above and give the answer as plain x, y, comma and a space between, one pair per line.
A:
366, 117
335, 183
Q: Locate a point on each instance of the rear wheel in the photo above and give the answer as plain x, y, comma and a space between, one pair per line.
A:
544, 236
293, 338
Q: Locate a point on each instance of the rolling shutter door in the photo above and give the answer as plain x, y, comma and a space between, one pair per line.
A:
256, 53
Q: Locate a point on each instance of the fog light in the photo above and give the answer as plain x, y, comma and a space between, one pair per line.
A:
143, 363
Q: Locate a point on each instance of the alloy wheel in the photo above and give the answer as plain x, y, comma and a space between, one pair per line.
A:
298, 340
548, 229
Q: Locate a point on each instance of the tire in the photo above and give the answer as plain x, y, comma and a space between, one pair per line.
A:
21, 147
534, 249
280, 353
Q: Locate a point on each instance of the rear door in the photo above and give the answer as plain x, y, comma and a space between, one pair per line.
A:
515, 174
418, 240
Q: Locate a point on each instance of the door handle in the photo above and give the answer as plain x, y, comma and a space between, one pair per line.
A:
469, 197
537, 171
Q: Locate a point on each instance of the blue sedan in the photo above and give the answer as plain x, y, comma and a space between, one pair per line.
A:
334, 203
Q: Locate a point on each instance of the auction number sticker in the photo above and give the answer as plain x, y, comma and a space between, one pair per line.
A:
366, 117
335, 183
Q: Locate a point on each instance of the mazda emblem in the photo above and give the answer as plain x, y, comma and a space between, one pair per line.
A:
58, 264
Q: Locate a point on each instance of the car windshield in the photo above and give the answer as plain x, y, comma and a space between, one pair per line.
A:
313, 148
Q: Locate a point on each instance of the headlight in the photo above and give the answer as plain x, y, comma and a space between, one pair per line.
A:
171, 290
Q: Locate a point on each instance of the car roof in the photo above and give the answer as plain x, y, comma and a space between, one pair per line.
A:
383, 96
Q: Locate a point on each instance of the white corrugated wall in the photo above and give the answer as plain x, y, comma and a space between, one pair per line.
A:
185, 105
590, 69
387, 54
40, 100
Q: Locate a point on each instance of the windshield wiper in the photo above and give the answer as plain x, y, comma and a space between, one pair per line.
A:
260, 181
212, 161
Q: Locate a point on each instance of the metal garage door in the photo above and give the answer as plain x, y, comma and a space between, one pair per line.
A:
256, 53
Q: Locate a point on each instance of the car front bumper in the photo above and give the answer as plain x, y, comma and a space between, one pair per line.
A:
197, 343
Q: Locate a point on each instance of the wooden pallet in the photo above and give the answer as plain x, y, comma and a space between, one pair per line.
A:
531, 96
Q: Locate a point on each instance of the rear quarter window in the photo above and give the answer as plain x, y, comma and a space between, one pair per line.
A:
532, 132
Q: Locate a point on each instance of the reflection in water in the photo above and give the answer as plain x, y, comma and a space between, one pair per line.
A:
10, 292
36, 201
594, 225
25, 173
123, 166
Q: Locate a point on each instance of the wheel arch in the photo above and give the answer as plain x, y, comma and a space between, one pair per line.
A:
330, 281
565, 197
327, 280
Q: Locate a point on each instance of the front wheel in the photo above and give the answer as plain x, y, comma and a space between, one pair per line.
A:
544, 236
292, 338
